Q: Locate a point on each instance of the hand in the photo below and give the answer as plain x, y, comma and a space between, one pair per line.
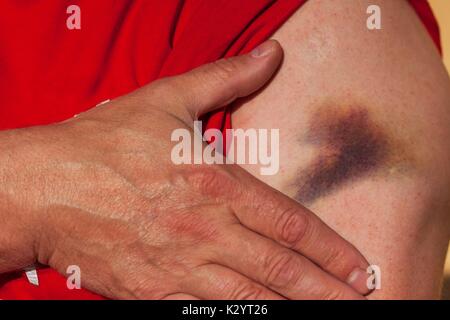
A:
100, 191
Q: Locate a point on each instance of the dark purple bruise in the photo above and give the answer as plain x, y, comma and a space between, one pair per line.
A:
349, 146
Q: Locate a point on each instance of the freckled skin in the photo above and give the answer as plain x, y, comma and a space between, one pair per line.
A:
350, 145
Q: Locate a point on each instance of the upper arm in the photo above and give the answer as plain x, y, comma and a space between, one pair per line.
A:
364, 135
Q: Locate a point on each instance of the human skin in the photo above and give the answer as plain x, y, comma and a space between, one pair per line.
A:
364, 135
99, 191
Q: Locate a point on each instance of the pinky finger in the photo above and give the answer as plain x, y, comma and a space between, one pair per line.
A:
215, 282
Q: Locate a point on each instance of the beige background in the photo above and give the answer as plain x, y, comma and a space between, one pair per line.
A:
441, 9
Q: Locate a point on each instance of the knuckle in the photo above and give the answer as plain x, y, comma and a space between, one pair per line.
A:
224, 69
334, 259
248, 291
291, 227
211, 181
222, 72
282, 270
189, 228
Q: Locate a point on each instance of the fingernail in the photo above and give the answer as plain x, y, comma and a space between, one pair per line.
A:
357, 279
262, 50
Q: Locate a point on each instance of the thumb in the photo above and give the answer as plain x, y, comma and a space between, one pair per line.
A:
217, 84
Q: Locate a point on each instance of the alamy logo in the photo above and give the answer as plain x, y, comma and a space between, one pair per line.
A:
74, 277
374, 279
374, 20
73, 21
250, 146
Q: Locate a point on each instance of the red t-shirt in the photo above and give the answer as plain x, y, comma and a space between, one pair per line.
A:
49, 73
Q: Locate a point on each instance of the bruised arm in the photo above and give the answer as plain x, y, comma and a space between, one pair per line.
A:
349, 146
364, 119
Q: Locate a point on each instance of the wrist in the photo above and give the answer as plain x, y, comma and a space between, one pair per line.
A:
22, 200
